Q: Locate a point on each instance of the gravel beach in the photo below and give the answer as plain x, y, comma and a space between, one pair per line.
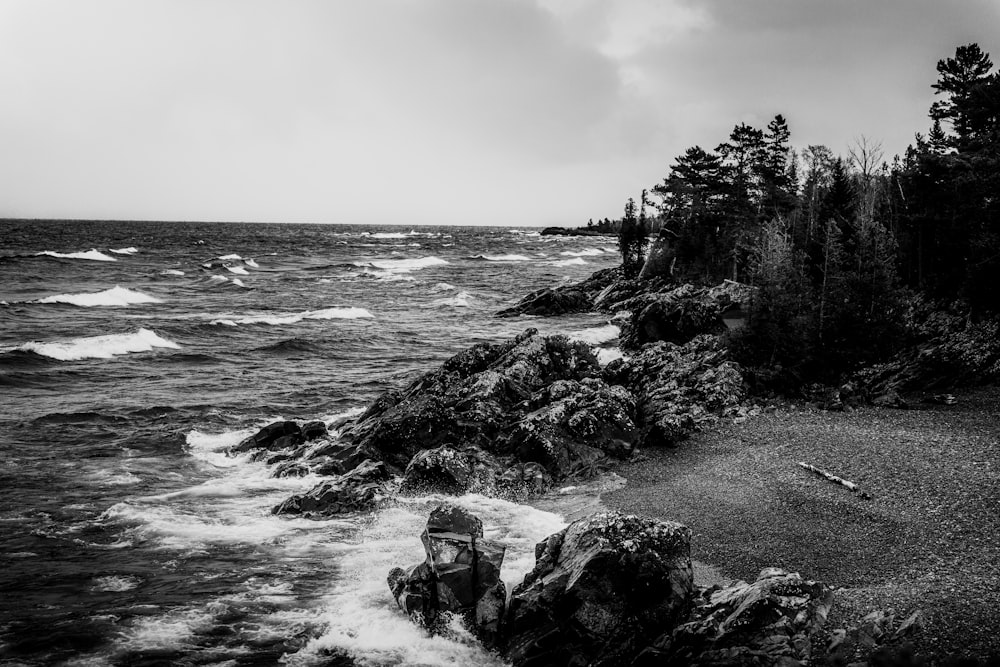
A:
927, 538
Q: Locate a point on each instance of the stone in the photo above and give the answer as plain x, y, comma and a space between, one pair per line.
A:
313, 430
676, 317
359, 490
600, 591
271, 437
524, 479
548, 301
460, 575
447, 469
771, 621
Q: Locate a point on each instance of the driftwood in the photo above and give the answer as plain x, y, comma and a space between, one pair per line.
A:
851, 486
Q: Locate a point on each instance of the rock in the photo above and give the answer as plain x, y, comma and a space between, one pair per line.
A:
911, 625
497, 398
769, 622
600, 591
271, 437
313, 430
890, 399
679, 389
460, 575
674, 317
524, 479
359, 490
548, 301
447, 469
326, 459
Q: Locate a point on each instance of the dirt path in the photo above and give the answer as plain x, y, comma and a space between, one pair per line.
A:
928, 538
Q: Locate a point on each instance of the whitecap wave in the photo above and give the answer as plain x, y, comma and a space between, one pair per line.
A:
100, 347
442, 287
345, 313
460, 300
251, 263
386, 235
586, 252
131, 250
171, 272
93, 255
361, 619
503, 258
596, 335
569, 262
237, 269
116, 296
230, 257
403, 265
116, 584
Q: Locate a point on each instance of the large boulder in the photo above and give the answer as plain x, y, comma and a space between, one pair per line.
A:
359, 490
279, 435
675, 316
769, 622
460, 575
449, 469
679, 389
601, 591
493, 397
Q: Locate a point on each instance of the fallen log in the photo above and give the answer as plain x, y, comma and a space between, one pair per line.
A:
851, 486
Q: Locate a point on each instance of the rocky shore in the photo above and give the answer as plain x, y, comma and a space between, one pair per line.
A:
515, 418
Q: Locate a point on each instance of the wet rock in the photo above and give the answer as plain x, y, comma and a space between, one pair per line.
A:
600, 591
313, 430
448, 469
675, 316
359, 490
548, 301
460, 575
496, 398
278, 435
679, 389
524, 479
326, 458
770, 622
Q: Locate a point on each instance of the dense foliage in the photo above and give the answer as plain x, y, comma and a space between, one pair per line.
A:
837, 244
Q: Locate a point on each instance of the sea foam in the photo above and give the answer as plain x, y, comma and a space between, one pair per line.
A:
93, 254
569, 262
131, 250
503, 258
116, 296
100, 347
404, 265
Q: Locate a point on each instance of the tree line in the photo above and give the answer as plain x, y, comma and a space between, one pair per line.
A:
838, 245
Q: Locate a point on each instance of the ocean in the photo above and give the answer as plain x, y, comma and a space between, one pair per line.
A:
132, 354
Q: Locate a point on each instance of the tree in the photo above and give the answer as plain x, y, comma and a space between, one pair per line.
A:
632, 237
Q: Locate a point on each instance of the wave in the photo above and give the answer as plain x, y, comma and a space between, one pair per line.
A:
403, 265
251, 263
229, 257
222, 280
605, 355
100, 347
116, 296
596, 335
503, 258
460, 300
237, 269
171, 272
345, 313
290, 346
576, 261
586, 252
93, 255
131, 250
442, 287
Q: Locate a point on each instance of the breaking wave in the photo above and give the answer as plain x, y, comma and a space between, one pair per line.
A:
93, 255
116, 296
99, 347
346, 313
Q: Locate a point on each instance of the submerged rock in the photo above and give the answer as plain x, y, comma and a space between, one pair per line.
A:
460, 575
359, 490
601, 590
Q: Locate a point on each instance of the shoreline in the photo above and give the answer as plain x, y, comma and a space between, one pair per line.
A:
927, 539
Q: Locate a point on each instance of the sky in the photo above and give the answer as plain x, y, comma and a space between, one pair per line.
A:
502, 112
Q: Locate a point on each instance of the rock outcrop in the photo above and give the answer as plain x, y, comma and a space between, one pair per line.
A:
575, 298
679, 389
770, 622
530, 399
359, 490
601, 590
460, 575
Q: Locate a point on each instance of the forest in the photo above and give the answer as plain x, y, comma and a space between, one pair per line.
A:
842, 249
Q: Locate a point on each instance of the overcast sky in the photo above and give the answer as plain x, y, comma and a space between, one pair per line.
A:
520, 112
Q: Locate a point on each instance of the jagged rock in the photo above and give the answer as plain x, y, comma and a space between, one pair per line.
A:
278, 435
679, 389
576, 425
357, 491
313, 430
326, 458
448, 469
770, 622
600, 591
493, 397
548, 301
460, 575
675, 317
